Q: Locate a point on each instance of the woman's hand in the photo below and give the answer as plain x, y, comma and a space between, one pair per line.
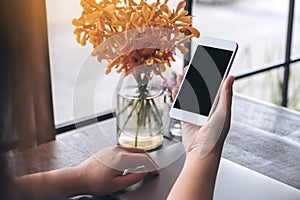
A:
102, 173
203, 145
201, 140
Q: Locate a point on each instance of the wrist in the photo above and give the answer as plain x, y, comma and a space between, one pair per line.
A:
69, 182
203, 170
195, 156
193, 160
63, 182
79, 180
196, 153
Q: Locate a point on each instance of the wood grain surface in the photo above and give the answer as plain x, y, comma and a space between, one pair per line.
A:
263, 137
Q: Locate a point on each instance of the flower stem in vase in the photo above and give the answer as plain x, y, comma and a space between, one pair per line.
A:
125, 107
137, 127
148, 107
127, 119
158, 117
139, 115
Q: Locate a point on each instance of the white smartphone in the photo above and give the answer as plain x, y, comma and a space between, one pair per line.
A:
202, 82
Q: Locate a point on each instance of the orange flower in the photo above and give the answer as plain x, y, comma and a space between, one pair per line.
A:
128, 34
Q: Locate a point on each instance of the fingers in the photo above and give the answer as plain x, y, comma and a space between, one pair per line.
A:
134, 157
179, 81
228, 91
179, 78
120, 158
174, 93
226, 95
128, 180
132, 149
185, 69
141, 159
223, 101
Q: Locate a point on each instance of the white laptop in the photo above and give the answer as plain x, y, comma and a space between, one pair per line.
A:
234, 182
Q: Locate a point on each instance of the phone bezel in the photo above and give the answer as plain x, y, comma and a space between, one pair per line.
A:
194, 118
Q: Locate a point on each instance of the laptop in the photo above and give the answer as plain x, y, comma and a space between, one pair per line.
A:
234, 182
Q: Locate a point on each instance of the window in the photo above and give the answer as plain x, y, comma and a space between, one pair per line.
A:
260, 28
65, 55
296, 31
294, 87
265, 86
67, 58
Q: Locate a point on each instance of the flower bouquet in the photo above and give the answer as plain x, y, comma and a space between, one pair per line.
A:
139, 40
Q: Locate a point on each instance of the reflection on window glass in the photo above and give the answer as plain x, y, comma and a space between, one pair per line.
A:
294, 87
294, 83
296, 30
266, 86
259, 27
67, 57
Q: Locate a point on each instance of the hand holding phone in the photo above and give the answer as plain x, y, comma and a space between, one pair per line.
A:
201, 140
201, 85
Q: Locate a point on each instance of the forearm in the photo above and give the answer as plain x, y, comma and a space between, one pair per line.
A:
63, 182
197, 178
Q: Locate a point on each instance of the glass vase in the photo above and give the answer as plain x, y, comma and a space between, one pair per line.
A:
139, 111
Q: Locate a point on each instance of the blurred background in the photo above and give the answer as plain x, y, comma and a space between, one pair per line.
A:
263, 138
259, 27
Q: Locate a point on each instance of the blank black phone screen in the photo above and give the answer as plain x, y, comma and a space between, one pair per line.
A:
203, 79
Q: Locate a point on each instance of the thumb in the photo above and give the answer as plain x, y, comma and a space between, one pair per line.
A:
223, 103
220, 119
129, 179
219, 123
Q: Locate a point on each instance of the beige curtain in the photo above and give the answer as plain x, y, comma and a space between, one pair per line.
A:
25, 95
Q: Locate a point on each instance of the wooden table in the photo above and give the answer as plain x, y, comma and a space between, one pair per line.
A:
263, 137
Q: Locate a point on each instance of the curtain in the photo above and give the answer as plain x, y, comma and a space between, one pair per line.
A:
25, 87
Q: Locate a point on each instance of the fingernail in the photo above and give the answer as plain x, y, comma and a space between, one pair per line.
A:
133, 170
156, 172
